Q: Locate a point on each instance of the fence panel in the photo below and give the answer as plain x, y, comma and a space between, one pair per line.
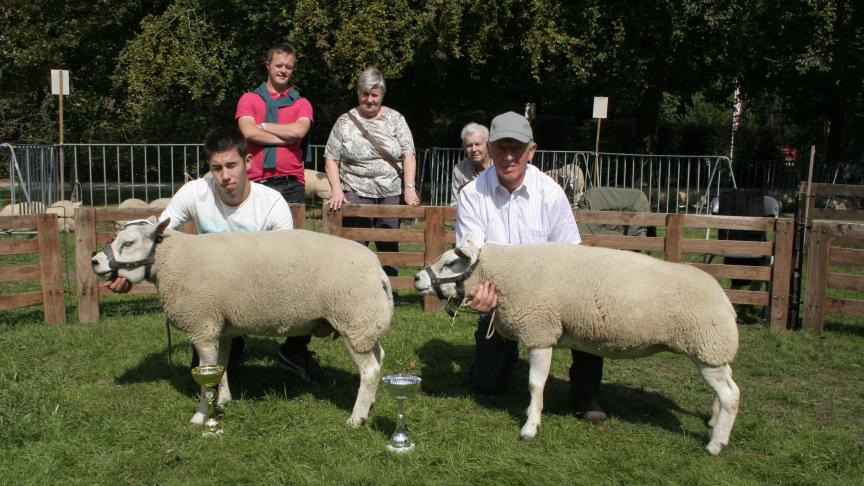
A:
49, 270
824, 252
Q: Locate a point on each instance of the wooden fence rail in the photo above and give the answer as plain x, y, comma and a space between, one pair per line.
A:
49, 270
825, 251
430, 229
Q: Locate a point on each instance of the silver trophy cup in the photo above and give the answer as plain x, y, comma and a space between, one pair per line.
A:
401, 387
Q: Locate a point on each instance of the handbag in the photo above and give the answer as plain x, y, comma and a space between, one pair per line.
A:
368, 136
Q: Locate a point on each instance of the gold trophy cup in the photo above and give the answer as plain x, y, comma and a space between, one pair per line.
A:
401, 387
208, 377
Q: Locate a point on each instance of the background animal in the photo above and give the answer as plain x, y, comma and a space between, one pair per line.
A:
610, 303
317, 186
217, 286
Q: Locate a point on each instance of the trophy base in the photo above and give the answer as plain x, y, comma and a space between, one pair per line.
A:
400, 450
212, 429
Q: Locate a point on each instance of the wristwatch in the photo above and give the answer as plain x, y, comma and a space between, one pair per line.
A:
262, 125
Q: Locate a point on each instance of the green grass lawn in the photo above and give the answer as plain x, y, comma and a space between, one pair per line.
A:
100, 404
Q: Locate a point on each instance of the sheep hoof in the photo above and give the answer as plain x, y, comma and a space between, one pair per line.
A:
355, 422
527, 433
198, 418
525, 437
714, 449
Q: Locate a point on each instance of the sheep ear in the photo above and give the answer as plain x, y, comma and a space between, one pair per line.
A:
468, 251
160, 228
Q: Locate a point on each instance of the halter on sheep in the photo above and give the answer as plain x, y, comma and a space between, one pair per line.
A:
146, 262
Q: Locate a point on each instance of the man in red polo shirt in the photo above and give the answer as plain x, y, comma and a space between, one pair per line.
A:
275, 120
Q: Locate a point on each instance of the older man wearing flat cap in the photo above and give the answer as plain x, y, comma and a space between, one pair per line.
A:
517, 204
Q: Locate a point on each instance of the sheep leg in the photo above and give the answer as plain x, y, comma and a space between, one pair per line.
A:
540, 360
208, 353
369, 364
224, 352
719, 378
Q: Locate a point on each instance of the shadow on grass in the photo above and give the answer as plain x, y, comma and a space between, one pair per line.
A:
249, 379
441, 360
129, 305
844, 328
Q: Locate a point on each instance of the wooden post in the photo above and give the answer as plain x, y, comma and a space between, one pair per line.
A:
674, 238
434, 248
51, 268
597, 155
85, 242
60, 128
817, 276
781, 273
298, 213
332, 222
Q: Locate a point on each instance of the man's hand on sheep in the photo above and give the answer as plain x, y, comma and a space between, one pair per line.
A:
118, 285
484, 299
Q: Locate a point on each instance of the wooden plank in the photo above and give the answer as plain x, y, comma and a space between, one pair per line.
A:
14, 301
413, 259
846, 233
847, 307
331, 222
728, 222
745, 272
402, 283
781, 277
749, 297
19, 272
130, 214
450, 237
822, 189
103, 237
433, 248
383, 211
817, 276
51, 268
380, 234
846, 282
298, 213
729, 247
621, 242
86, 284
15, 222
674, 237
620, 218
449, 213
18, 247
846, 256
837, 214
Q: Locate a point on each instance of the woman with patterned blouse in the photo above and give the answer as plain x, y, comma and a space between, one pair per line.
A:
357, 171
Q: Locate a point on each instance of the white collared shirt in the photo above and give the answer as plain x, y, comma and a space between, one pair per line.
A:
536, 212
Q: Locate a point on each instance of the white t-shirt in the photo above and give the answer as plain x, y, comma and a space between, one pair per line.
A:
198, 201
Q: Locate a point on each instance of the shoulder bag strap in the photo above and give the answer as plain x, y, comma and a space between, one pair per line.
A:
368, 136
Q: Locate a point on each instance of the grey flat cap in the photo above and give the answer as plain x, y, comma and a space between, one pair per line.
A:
510, 125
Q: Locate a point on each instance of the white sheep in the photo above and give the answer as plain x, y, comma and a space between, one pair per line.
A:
220, 285
611, 303
19, 209
160, 203
571, 178
317, 185
65, 211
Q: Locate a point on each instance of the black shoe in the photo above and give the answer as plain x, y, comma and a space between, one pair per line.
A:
304, 365
238, 344
589, 408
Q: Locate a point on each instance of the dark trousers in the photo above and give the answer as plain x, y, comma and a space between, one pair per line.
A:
494, 358
388, 223
293, 192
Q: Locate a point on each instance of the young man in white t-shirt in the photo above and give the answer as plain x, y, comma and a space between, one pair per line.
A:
226, 200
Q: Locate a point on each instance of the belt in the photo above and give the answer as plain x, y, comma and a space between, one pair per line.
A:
278, 180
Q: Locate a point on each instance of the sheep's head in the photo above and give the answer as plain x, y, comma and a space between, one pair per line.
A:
131, 253
446, 276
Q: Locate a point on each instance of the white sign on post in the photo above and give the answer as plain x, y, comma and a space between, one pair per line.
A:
600, 105
56, 75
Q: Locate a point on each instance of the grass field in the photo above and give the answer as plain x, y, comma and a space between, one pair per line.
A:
100, 404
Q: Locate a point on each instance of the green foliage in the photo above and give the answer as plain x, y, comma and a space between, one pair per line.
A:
166, 71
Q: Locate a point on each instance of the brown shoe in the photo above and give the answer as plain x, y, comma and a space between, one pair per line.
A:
589, 408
